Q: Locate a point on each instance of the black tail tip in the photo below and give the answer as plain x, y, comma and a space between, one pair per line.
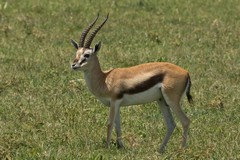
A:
190, 98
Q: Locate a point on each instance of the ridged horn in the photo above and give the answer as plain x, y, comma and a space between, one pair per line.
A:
93, 34
85, 32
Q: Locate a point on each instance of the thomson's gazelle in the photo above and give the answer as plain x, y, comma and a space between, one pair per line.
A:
163, 82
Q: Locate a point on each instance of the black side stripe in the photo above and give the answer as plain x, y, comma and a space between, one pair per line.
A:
145, 85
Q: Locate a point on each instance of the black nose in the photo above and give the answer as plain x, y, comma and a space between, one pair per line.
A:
73, 65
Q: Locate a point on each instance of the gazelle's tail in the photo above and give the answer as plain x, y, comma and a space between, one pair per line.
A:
189, 97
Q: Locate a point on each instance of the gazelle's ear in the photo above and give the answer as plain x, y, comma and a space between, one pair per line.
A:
74, 43
97, 47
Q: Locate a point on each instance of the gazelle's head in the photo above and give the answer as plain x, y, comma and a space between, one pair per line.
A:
85, 54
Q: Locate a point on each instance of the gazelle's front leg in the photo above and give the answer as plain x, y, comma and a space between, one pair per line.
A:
113, 110
118, 128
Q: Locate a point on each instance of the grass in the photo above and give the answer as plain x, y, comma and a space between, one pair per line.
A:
46, 112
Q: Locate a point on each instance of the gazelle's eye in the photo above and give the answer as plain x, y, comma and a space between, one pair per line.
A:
86, 55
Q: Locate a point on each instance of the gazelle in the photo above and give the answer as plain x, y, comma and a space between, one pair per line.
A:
163, 82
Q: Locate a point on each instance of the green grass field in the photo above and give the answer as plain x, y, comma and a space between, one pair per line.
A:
46, 111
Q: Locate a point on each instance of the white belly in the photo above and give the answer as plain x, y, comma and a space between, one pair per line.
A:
150, 95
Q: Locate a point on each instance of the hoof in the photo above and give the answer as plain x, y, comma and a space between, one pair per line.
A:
120, 145
107, 146
161, 150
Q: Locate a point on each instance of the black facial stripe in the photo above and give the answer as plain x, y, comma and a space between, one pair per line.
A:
84, 60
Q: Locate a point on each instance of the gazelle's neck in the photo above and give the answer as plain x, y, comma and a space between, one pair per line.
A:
95, 78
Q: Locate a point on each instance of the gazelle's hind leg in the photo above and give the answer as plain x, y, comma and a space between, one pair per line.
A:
173, 101
167, 115
184, 121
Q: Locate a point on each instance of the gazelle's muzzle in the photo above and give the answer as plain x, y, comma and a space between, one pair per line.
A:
75, 66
